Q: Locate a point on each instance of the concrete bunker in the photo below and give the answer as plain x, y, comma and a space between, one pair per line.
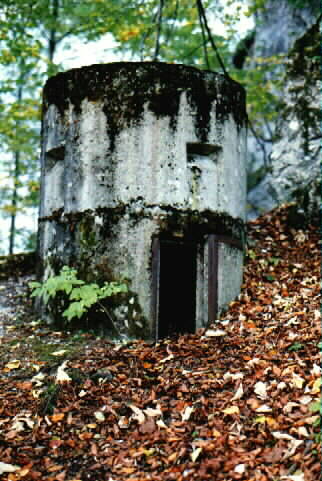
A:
143, 179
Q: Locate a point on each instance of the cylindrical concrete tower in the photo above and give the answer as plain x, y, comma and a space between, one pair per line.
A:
143, 178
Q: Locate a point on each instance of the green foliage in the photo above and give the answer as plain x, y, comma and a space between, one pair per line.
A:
80, 296
316, 407
48, 399
297, 346
30, 34
274, 260
269, 277
251, 254
304, 3
181, 38
262, 80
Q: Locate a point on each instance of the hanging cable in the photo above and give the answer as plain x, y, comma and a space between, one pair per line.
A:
158, 33
202, 14
204, 40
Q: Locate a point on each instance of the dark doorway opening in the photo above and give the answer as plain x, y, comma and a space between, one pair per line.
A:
177, 288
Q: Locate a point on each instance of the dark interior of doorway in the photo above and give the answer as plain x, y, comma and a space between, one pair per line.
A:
177, 288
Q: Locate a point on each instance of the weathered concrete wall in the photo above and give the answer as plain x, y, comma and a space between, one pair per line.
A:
134, 151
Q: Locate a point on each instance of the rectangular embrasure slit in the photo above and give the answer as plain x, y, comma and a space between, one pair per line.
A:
54, 155
196, 149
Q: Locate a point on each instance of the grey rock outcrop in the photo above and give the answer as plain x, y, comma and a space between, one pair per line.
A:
296, 155
278, 26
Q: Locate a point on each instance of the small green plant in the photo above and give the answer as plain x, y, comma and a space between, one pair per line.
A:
316, 407
269, 277
274, 260
80, 296
251, 254
48, 399
297, 346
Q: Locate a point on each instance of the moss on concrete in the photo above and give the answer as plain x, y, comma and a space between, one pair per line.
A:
126, 87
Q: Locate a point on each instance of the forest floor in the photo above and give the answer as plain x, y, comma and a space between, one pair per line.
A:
237, 401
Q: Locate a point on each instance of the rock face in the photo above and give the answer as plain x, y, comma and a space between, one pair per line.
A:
278, 26
296, 156
143, 179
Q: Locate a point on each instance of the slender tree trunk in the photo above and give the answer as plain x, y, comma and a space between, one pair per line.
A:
14, 203
14, 197
202, 14
159, 29
52, 44
204, 39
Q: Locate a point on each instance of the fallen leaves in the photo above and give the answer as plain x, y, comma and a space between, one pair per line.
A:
316, 388
100, 417
185, 415
260, 389
297, 381
138, 414
8, 468
56, 418
215, 333
294, 477
61, 352
13, 365
239, 393
61, 375
231, 410
195, 454
238, 401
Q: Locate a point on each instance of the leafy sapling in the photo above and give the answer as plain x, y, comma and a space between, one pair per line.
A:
80, 296
316, 408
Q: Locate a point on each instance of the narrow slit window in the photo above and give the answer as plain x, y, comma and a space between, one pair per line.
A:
52, 156
196, 150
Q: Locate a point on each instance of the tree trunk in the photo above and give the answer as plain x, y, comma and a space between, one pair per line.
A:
52, 44
158, 33
14, 203
14, 197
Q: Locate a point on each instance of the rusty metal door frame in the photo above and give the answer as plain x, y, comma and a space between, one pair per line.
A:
155, 298
213, 265
213, 252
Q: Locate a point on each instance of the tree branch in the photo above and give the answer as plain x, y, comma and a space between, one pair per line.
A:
174, 18
260, 143
108, 315
145, 36
204, 40
52, 44
159, 29
202, 12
